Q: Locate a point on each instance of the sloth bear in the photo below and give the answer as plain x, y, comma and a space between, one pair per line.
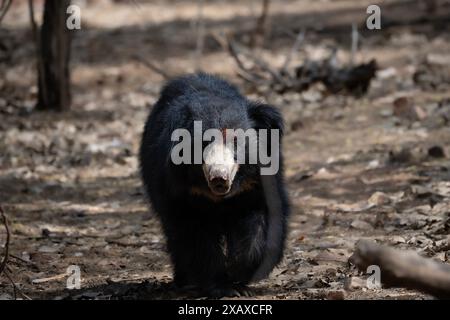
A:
224, 221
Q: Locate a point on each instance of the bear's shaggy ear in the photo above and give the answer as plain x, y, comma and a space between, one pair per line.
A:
265, 116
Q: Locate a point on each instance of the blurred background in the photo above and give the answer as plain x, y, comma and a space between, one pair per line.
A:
366, 150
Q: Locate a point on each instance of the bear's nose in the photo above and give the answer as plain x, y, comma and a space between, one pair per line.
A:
219, 185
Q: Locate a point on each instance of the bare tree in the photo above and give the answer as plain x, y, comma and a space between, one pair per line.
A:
4, 7
262, 27
53, 47
200, 34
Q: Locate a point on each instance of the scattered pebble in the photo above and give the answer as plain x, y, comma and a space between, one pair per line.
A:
354, 283
379, 199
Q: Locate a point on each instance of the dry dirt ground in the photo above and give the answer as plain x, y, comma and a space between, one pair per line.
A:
370, 168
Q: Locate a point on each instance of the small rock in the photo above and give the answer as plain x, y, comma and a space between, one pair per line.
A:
385, 113
438, 59
335, 295
398, 239
387, 73
404, 108
354, 283
400, 156
338, 115
373, 164
436, 152
312, 96
48, 249
361, 225
379, 199
315, 283
26, 256
296, 125
45, 232
441, 256
421, 191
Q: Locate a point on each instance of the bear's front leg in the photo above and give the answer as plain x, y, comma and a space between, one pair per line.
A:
198, 257
246, 240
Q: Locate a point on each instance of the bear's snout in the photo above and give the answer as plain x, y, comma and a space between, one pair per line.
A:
219, 168
220, 185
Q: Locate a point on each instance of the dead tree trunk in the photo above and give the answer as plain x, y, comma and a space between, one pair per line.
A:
54, 56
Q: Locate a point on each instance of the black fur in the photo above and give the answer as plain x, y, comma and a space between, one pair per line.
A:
215, 245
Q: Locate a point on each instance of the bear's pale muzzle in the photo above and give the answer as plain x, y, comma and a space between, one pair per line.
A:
219, 167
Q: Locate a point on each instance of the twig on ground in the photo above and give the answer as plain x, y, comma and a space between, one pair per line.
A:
48, 279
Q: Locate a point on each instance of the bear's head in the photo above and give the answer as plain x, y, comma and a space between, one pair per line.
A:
226, 144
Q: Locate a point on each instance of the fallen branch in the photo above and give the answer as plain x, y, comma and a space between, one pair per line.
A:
352, 80
404, 269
